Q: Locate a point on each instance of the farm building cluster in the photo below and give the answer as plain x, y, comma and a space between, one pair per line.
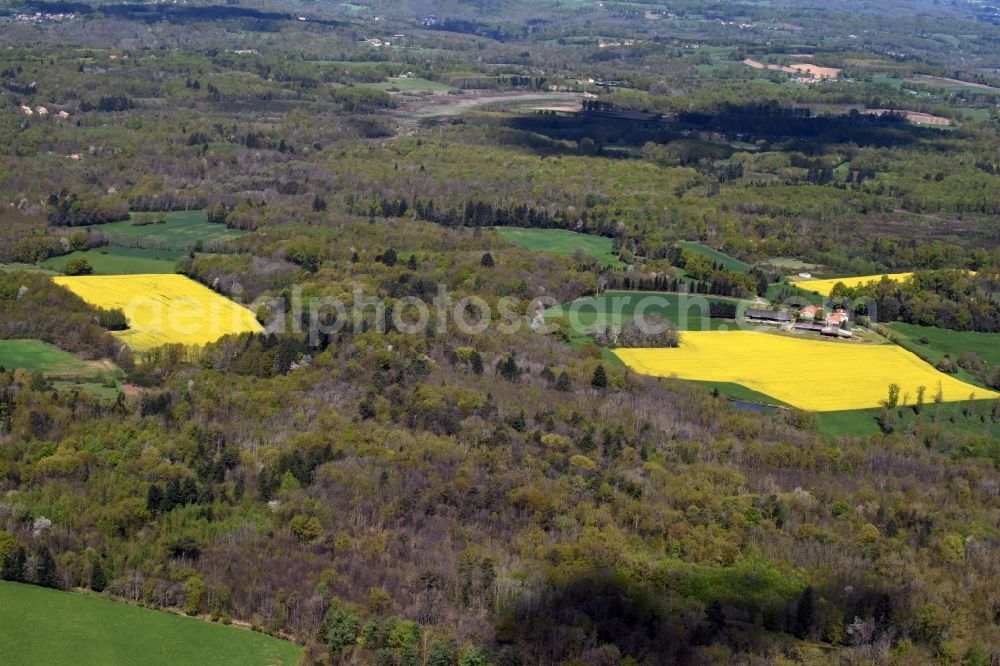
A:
809, 319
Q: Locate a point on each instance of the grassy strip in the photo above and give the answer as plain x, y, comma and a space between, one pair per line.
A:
727, 262
115, 260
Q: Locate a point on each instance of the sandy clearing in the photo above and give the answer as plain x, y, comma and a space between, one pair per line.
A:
799, 68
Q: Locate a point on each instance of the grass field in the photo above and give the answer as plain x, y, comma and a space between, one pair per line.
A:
825, 286
941, 341
114, 260
686, 312
815, 375
727, 262
948, 419
163, 309
739, 392
558, 241
181, 231
31, 268
66, 371
784, 289
45, 626
34, 355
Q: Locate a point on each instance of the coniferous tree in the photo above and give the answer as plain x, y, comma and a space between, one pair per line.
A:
883, 611
805, 612
154, 499
14, 564
715, 616
562, 381
45, 567
507, 368
600, 378
441, 653
172, 497
98, 579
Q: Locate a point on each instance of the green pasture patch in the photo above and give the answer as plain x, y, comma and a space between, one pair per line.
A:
114, 260
45, 626
560, 241
182, 230
727, 262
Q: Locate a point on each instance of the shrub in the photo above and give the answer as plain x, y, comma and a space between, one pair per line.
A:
194, 591
113, 319
78, 266
840, 508
306, 528
340, 628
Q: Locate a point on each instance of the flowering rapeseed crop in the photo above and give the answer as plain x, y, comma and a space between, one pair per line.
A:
817, 375
824, 287
163, 309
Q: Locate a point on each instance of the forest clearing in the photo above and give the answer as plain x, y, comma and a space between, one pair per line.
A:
559, 241
179, 230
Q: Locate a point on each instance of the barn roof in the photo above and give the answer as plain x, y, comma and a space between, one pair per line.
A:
773, 315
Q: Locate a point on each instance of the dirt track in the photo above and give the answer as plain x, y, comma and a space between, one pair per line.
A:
438, 106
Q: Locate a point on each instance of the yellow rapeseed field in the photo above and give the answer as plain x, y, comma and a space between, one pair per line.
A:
163, 309
816, 375
824, 287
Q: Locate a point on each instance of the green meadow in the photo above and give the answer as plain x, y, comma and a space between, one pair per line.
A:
64, 370
559, 241
738, 392
35, 355
689, 312
932, 343
31, 268
942, 423
114, 260
181, 231
727, 262
44, 626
